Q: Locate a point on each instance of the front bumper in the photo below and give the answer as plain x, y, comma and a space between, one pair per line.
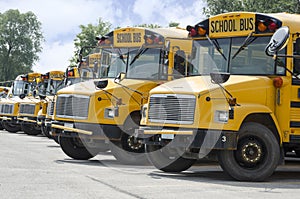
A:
27, 120
189, 138
96, 131
9, 119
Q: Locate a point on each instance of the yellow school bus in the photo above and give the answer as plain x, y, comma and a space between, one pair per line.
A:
92, 115
52, 82
240, 104
24, 85
33, 106
89, 66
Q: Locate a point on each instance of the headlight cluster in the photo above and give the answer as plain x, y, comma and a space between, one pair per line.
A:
111, 113
221, 116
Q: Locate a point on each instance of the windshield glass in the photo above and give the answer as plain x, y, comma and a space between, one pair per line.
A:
50, 87
231, 57
113, 61
20, 87
138, 63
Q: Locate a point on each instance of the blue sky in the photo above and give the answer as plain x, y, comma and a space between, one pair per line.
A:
61, 19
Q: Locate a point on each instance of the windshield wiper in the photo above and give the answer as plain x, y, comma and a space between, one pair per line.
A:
138, 54
121, 55
215, 43
247, 41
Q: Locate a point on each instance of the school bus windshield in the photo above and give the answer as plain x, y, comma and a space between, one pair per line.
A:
229, 55
50, 87
20, 87
138, 63
236, 55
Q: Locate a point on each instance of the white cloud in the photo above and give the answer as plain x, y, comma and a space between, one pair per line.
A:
61, 19
54, 57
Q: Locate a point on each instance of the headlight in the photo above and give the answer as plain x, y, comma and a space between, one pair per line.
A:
111, 112
221, 116
144, 110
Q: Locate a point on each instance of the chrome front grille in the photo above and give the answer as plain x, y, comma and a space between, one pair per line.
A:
27, 109
72, 106
172, 108
50, 108
7, 109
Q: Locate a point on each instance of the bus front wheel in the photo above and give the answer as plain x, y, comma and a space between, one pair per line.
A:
130, 150
256, 157
168, 159
76, 149
31, 129
12, 128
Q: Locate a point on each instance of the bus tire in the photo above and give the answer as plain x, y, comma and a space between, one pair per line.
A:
256, 157
127, 156
12, 128
31, 129
74, 148
168, 159
45, 131
130, 150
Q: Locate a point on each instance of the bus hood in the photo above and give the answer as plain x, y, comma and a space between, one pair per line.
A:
89, 87
200, 85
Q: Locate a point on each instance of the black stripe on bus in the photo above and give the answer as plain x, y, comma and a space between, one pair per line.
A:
295, 104
296, 81
295, 138
295, 124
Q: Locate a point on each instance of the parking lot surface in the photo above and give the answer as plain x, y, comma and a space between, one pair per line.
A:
36, 167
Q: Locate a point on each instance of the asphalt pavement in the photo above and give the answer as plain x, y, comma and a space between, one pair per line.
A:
36, 167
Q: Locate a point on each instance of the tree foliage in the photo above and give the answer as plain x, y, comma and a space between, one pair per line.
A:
20, 42
148, 25
173, 24
215, 7
87, 37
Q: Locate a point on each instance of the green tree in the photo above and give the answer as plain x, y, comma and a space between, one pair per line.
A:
87, 37
148, 25
173, 24
20, 42
215, 7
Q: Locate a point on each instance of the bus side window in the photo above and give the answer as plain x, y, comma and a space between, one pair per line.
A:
179, 63
297, 60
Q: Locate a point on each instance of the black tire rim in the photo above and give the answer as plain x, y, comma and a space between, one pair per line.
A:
251, 152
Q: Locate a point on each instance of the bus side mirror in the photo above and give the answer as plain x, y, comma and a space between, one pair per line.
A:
101, 83
22, 96
219, 78
278, 41
42, 96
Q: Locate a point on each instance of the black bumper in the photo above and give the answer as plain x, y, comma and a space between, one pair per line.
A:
200, 138
100, 131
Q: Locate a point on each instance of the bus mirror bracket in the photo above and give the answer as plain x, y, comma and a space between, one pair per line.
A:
220, 78
120, 77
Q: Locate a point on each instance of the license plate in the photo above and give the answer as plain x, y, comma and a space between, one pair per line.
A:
25, 118
70, 125
4, 118
167, 136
